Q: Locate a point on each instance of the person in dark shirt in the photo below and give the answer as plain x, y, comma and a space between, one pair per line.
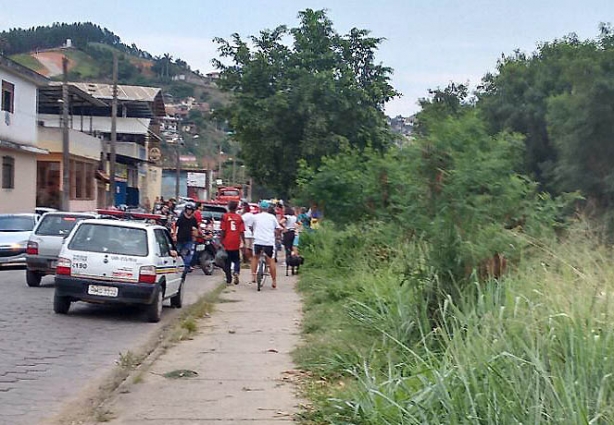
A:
185, 227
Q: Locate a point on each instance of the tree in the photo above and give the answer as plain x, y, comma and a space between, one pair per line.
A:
322, 94
441, 104
560, 99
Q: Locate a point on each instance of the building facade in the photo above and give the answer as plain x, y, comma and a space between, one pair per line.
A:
18, 136
140, 109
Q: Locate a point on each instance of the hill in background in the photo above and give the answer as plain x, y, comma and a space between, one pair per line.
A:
90, 58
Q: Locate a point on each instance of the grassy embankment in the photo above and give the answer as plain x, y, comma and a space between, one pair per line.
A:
28, 61
534, 347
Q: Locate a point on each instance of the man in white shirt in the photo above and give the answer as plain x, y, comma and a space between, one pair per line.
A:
265, 229
248, 220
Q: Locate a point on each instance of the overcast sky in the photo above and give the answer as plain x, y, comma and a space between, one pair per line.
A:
428, 43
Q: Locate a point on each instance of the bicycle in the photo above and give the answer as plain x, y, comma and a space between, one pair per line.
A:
262, 271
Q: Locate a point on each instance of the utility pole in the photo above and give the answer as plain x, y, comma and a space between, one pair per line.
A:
219, 166
111, 199
178, 170
234, 174
65, 141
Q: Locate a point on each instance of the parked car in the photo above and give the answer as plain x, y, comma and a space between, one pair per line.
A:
215, 213
43, 210
120, 262
15, 229
46, 241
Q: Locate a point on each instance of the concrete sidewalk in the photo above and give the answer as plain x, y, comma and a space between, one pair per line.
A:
242, 356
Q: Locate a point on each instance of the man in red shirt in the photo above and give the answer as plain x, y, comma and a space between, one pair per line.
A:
232, 228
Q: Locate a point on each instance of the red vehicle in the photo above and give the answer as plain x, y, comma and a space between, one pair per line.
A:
228, 193
128, 215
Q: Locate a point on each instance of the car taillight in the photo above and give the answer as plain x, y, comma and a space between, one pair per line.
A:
147, 274
63, 267
32, 248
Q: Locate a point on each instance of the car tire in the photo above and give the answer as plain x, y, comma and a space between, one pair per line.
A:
177, 300
33, 279
154, 310
61, 304
207, 263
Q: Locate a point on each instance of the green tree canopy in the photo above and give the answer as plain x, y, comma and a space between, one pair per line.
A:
319, 95
560, 99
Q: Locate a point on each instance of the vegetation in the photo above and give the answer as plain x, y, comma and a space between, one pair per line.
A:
455, 279
20, 40
533, 348
560, 99
93, 49
28, 61
300, 102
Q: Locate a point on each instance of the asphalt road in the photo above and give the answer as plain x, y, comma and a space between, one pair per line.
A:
47, 359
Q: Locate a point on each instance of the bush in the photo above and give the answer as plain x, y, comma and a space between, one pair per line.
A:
532, 348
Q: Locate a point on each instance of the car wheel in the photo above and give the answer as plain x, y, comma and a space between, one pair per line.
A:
33, 279
177, 300
206, 263
61, 304
154, 310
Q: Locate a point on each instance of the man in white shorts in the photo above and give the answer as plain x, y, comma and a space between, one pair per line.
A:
265, 228
248, 219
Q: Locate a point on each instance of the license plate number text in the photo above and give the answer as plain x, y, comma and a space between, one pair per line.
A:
105, 291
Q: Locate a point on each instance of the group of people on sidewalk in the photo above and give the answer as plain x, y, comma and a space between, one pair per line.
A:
248, 233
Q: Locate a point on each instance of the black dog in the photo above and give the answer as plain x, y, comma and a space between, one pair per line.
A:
293, 263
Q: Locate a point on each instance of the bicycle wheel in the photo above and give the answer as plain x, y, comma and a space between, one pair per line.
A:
260, 273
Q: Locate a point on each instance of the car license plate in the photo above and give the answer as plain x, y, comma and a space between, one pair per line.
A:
53, 264
200, 248
105, 291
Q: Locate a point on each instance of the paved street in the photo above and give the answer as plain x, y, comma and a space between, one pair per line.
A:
46, 359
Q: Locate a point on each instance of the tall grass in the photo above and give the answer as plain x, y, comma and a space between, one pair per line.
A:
535, 347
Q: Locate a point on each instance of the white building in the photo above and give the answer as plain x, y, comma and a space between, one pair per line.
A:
18, 136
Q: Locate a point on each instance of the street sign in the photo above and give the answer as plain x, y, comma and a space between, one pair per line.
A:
197, 180
155, 154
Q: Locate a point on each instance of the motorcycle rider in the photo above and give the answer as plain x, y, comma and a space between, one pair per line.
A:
183, 234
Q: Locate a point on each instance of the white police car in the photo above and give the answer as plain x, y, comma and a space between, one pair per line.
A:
126, 262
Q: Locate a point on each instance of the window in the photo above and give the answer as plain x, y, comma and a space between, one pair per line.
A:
110, 240
163, 245
8, 172
58, 225
8, 96
48, 184
89, 178
81, 180
16, 223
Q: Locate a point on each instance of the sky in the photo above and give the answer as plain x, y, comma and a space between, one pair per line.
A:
428, 43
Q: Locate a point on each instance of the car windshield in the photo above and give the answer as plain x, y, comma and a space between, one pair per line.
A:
16, 223
110, 240
58, 225
215, 215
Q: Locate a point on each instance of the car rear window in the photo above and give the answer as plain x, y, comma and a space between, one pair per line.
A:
110, 240
58, 225
217, 216
16, 223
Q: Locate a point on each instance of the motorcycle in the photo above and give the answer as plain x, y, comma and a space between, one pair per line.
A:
205, 249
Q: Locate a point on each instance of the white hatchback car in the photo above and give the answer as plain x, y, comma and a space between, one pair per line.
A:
125, 262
